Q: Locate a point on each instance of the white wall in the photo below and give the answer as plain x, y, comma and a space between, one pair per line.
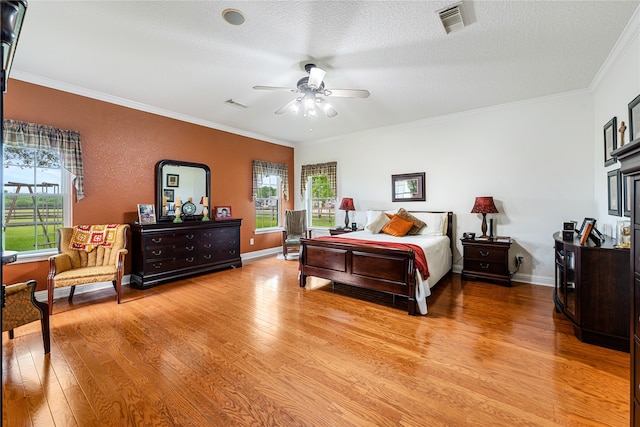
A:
533, 157
542, 160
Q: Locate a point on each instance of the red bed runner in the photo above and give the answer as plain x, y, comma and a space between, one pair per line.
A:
421, 259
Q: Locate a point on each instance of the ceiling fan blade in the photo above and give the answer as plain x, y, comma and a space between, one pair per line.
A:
347, 93
316, 75
287, 106
274, 88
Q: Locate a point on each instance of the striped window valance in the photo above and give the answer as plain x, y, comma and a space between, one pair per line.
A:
66, 142
262, 168
329, 169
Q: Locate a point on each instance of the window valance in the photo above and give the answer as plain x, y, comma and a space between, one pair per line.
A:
329, 169
67, 142
262, 168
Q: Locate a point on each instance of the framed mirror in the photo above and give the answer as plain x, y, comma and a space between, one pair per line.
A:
183, 181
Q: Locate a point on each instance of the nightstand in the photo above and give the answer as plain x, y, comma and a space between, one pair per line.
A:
487, 259
340, 230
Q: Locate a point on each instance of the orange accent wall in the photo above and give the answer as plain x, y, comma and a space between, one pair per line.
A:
121, 147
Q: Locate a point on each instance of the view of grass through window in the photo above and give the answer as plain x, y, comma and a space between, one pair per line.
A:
268, 203
323, 202
32, 199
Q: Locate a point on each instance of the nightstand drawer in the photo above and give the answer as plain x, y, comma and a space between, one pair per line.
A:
488, 267
485, 253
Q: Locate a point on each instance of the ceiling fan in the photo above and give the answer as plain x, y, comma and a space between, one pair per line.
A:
312, 94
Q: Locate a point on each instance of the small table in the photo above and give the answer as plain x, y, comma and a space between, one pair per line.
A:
340, 230
9, 256
487, 259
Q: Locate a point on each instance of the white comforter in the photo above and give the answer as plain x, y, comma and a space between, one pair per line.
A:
437, 250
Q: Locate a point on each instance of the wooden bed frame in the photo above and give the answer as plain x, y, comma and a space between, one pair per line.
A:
377, 268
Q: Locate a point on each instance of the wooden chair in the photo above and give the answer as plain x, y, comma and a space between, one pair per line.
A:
72, 267
21, 307
295, 228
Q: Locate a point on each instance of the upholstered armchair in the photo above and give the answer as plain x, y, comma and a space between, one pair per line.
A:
90, 261
295, 228
21, 308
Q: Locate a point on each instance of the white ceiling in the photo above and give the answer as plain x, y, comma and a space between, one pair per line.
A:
180, 59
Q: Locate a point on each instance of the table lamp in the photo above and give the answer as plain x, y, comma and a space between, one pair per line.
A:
347, 205
484, 205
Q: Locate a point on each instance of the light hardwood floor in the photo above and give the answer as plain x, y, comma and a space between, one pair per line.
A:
250, 347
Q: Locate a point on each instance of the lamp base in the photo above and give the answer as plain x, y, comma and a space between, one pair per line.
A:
484, 226
346, 220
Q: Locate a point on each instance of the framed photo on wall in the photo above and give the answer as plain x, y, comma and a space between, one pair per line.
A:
169, 195
223, 212
173, 180
634, 119
610, 141
613, 189
408, 187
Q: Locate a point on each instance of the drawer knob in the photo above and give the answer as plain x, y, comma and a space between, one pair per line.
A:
484, 266
190, 236
484, 253
207, 256
157, 265
190, 248
157, 240
157, 253
207, 245
190, 259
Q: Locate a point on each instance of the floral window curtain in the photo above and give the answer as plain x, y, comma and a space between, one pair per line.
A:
262, 168
329, 169
67, 142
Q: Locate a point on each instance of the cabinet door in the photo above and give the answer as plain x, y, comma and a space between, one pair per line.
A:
571, 283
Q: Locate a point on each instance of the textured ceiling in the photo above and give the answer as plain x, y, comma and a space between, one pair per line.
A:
180, 59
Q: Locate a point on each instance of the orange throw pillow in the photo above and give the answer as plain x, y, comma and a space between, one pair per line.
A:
398, 226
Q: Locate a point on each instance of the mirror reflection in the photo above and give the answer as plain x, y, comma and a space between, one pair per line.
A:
178, 181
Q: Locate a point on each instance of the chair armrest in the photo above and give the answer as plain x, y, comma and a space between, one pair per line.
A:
59, 263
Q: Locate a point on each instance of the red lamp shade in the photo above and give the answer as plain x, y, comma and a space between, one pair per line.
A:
484, 205
347, 204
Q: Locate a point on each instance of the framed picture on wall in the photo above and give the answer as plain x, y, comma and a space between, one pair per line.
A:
634, 118
610, 141
408, 187
169, 195
613, 189
173, 180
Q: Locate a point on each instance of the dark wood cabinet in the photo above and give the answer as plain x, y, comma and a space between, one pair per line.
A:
486, 259
336, 231
169, 251
592, 290
629, 157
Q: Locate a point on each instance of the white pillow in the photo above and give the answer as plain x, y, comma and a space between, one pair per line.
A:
436, 223
372, 215
377, 223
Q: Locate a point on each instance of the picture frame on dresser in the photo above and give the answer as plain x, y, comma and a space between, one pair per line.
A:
584, 222
223, 212
146, 214
610, 141
634, 118
173, 180
169, 195
614, 193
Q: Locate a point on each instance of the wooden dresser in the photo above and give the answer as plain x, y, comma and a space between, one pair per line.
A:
592, 290
629, 157
169, 251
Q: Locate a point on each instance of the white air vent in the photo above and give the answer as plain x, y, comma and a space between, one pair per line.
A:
452, 18
235, 104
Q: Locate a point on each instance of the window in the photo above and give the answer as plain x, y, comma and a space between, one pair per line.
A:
268, 202
37, 161
270, 186
319, 193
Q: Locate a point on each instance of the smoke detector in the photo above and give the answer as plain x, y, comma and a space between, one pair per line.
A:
452, 17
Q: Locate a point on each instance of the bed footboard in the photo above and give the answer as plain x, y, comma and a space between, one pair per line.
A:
380, 269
